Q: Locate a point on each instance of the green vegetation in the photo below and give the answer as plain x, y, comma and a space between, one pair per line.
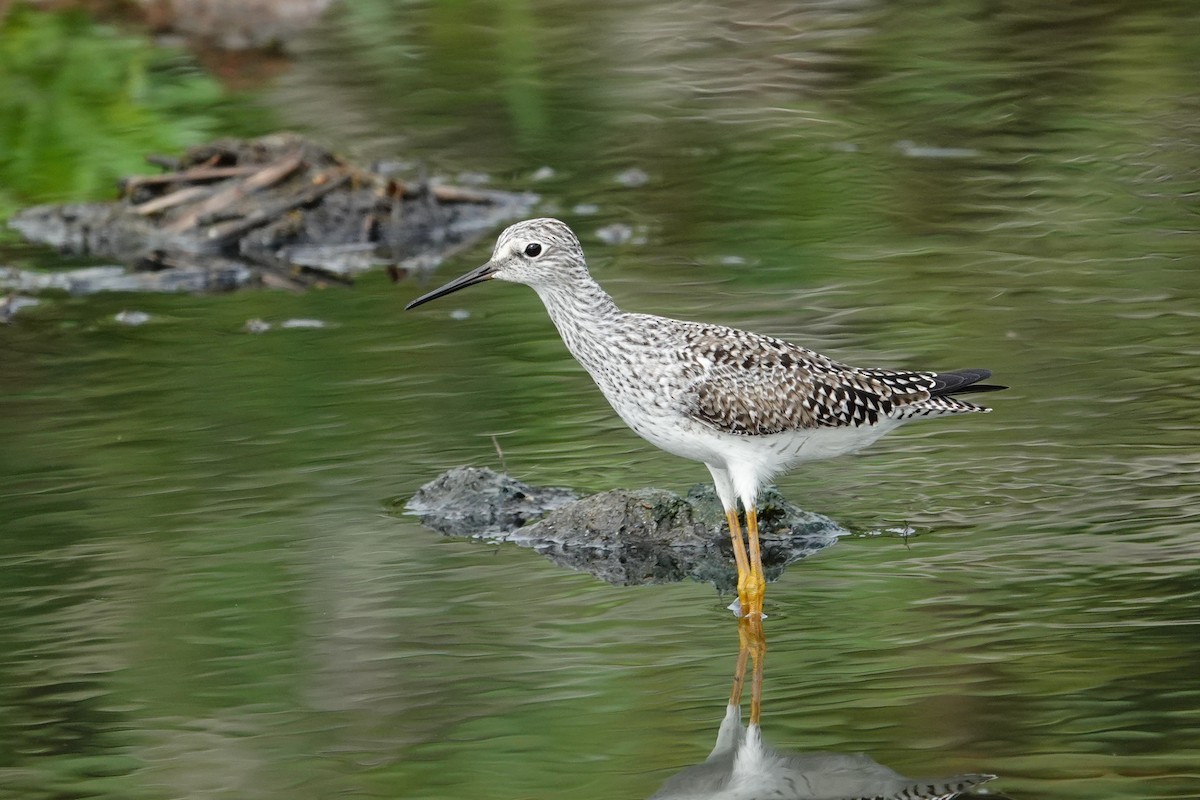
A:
83, 104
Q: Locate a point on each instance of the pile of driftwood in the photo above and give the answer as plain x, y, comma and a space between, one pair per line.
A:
276, 211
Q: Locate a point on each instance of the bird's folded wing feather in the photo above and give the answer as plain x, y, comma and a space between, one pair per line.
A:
754, 385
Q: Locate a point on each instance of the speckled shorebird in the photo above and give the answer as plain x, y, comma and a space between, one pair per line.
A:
749, 406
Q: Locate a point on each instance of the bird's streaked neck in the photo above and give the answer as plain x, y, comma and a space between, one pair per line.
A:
579, 303
585, 317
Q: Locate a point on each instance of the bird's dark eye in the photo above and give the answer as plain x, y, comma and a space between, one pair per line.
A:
533, 250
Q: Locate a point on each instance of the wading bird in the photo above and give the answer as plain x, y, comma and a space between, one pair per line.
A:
749, 406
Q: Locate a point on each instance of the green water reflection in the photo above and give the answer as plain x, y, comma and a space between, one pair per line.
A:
201, 594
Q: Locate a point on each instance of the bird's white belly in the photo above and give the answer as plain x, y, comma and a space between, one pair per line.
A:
772, 453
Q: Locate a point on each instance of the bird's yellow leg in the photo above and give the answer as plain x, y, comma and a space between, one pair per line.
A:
739, 557
757, 585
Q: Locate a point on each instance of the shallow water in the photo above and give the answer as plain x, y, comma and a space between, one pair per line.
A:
202, 594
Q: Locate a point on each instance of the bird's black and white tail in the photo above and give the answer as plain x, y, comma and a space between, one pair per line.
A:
943, 388
939, 788
962, 381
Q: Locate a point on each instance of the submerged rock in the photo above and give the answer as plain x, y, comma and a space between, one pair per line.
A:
481, 503
131, 318
302, 322
615, 234
257, 325
623, 537
12, 304
90, 280
632, 178
277, 211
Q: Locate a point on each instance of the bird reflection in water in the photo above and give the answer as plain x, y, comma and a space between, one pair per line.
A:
742, 767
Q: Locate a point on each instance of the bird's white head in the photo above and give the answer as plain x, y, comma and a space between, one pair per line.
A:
536, 252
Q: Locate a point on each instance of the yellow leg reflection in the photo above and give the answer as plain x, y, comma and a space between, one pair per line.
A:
739, 672
739, 557
757, 587
741, 764
752, 647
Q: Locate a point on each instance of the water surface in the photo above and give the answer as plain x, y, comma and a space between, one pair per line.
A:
202, 594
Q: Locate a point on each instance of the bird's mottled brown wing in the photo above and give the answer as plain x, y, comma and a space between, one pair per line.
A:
755, 385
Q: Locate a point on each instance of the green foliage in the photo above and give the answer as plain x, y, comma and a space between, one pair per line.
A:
82, 104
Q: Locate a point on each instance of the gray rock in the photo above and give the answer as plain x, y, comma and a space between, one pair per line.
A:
340, 259
256, 325
11, 305
914, 150
131, 318
626, 538
221, 275
623, 537
481, 503
301, 322
615, 234
632, 178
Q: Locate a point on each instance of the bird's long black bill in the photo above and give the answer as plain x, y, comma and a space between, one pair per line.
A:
473, 277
